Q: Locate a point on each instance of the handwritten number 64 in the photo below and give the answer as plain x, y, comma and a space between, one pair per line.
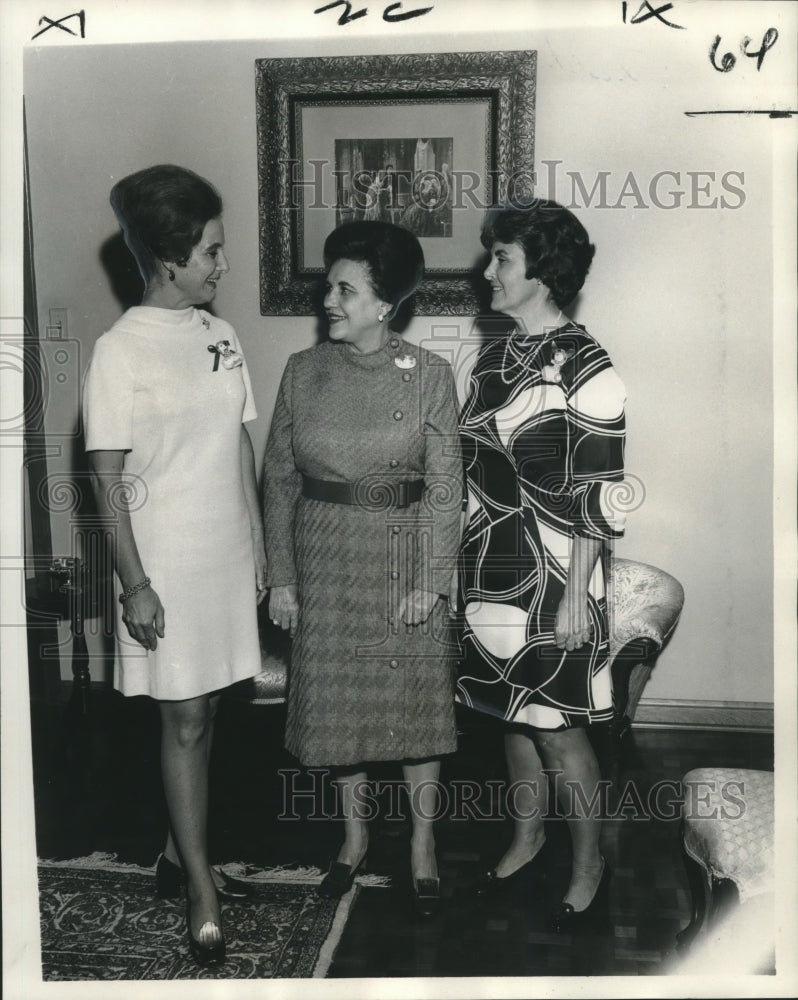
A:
728, 61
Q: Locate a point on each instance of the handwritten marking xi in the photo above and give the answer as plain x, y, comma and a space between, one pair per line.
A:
81, 15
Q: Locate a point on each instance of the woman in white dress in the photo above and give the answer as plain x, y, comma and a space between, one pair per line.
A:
374, 205
173, 472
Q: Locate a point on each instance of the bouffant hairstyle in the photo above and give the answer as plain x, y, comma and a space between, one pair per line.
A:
393, 257
162, 211
556, 246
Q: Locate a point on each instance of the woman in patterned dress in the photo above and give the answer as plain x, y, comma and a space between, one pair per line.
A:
363, 488
165, 399
543, 436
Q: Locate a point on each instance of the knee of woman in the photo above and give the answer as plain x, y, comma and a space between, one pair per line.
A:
191, 733
187, 729
553, 748
547, 742
567, 750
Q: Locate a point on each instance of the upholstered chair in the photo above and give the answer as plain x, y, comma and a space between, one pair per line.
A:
728, 829
644, 604
271, 685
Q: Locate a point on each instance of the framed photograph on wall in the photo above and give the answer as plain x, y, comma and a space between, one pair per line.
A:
424, 141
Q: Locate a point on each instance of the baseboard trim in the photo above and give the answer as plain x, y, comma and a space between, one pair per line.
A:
652, 713
733, 716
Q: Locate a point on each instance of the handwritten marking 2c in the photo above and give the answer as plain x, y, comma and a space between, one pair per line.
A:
391, 13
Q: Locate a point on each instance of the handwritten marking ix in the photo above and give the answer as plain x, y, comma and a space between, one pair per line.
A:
639, 17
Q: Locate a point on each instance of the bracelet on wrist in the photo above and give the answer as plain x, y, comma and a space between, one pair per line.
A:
134, 590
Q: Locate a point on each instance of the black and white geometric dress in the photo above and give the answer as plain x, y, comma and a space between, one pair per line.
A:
543, 439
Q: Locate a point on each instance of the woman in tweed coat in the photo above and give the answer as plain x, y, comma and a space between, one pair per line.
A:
363, 487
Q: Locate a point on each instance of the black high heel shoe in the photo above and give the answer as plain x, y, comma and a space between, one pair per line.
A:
339, 879
534, 870
567, 920
205, 954
426, 897
170, 880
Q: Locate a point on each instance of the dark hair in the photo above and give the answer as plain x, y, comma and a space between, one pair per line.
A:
556, 246
162, 211
393, 257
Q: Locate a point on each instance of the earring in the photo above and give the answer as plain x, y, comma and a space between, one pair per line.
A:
171, 273
381, 317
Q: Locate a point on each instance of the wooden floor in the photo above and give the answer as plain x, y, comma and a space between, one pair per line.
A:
98, 789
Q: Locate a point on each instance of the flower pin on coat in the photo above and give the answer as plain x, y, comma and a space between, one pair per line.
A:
559, 356
405, 361
222, 349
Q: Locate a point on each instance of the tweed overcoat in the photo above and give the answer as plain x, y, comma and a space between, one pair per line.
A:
363, 686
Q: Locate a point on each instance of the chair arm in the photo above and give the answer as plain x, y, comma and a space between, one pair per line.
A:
643, 603
270, 686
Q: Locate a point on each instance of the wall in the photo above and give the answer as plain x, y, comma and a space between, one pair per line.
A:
680, 297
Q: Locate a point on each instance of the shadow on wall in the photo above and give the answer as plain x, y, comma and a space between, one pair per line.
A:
123, 274
90, 542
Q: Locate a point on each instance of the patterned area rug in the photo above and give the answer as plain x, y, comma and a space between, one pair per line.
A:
101, 920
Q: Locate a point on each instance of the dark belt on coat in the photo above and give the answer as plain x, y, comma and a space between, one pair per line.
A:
370, 493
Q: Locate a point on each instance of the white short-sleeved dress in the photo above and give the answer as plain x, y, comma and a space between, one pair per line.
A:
154, 390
